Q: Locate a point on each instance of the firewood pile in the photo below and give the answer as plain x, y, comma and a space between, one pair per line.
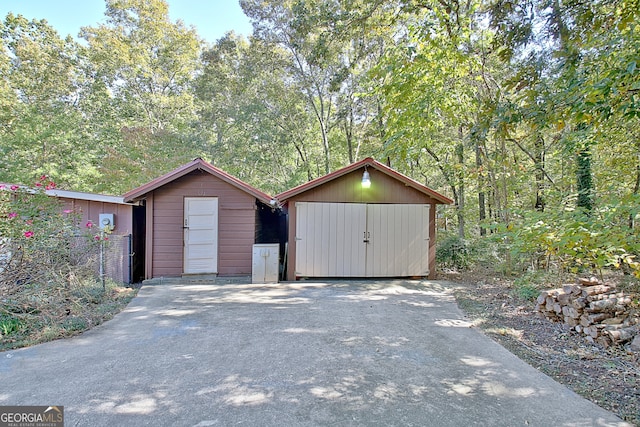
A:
603, 314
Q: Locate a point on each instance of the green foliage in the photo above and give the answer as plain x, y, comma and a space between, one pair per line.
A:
46, 292
73, 324
41, 128
574, 242
35, 234
63, 312
453, 252
9, 325
527, 286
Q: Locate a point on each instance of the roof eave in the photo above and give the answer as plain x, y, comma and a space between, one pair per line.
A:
76, 195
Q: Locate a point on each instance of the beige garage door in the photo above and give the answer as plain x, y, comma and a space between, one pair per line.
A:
361, 240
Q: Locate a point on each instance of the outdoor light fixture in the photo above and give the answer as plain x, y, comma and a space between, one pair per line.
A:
366, 180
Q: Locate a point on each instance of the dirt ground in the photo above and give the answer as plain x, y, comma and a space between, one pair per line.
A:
608, 377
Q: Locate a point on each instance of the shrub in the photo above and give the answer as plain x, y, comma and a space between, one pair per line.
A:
453, 252
527, 286
34, 236
48, 283
9, 325
575, 242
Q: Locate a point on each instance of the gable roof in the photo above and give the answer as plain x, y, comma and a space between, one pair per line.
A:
197, 164
368, 162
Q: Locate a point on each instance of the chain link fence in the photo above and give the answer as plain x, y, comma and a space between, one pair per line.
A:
107, 258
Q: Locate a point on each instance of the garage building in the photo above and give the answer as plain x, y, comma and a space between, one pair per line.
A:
364, 220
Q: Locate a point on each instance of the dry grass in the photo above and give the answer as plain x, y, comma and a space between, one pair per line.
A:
608, 377
32, 313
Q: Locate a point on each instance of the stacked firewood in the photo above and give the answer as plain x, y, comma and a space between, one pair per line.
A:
597, 310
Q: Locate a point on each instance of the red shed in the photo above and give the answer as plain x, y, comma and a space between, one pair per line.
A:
199, 220
365, 220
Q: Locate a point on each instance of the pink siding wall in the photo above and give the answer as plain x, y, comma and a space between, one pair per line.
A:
348, 189
90, 210
118, 255
236, 225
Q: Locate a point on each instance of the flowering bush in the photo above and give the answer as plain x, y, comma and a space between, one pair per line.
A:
101, 235
34, 233
48, 268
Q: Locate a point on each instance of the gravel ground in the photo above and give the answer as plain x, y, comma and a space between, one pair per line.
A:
608, 377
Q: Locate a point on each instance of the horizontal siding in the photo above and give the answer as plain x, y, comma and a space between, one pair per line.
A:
240, 254
236, 224
236, 262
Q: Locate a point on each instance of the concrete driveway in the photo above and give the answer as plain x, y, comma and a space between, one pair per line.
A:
294, 354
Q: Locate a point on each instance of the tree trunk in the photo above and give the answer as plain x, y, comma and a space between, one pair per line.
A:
636, 188
348, 131
482, 209
584, 180
460, 178
539, 164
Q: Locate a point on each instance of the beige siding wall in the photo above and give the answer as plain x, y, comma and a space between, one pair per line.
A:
236, 224
348, 189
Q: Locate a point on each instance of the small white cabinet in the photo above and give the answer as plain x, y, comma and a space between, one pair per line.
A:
265, 263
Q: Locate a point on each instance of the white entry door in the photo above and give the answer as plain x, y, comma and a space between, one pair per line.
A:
200, 235
361, 240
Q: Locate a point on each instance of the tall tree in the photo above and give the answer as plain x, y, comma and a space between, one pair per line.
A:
588, 71
141, 67
437, 79
331, 46
42, 130
255, 123
312, 65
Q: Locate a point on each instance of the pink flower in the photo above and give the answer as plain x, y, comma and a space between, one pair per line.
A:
2, 186
51, 185
96, 237
28, 234
14, 187
12, 215
43, 177
38, 184
89, 224
68, 211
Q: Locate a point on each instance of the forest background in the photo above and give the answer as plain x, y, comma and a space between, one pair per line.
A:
526, 113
